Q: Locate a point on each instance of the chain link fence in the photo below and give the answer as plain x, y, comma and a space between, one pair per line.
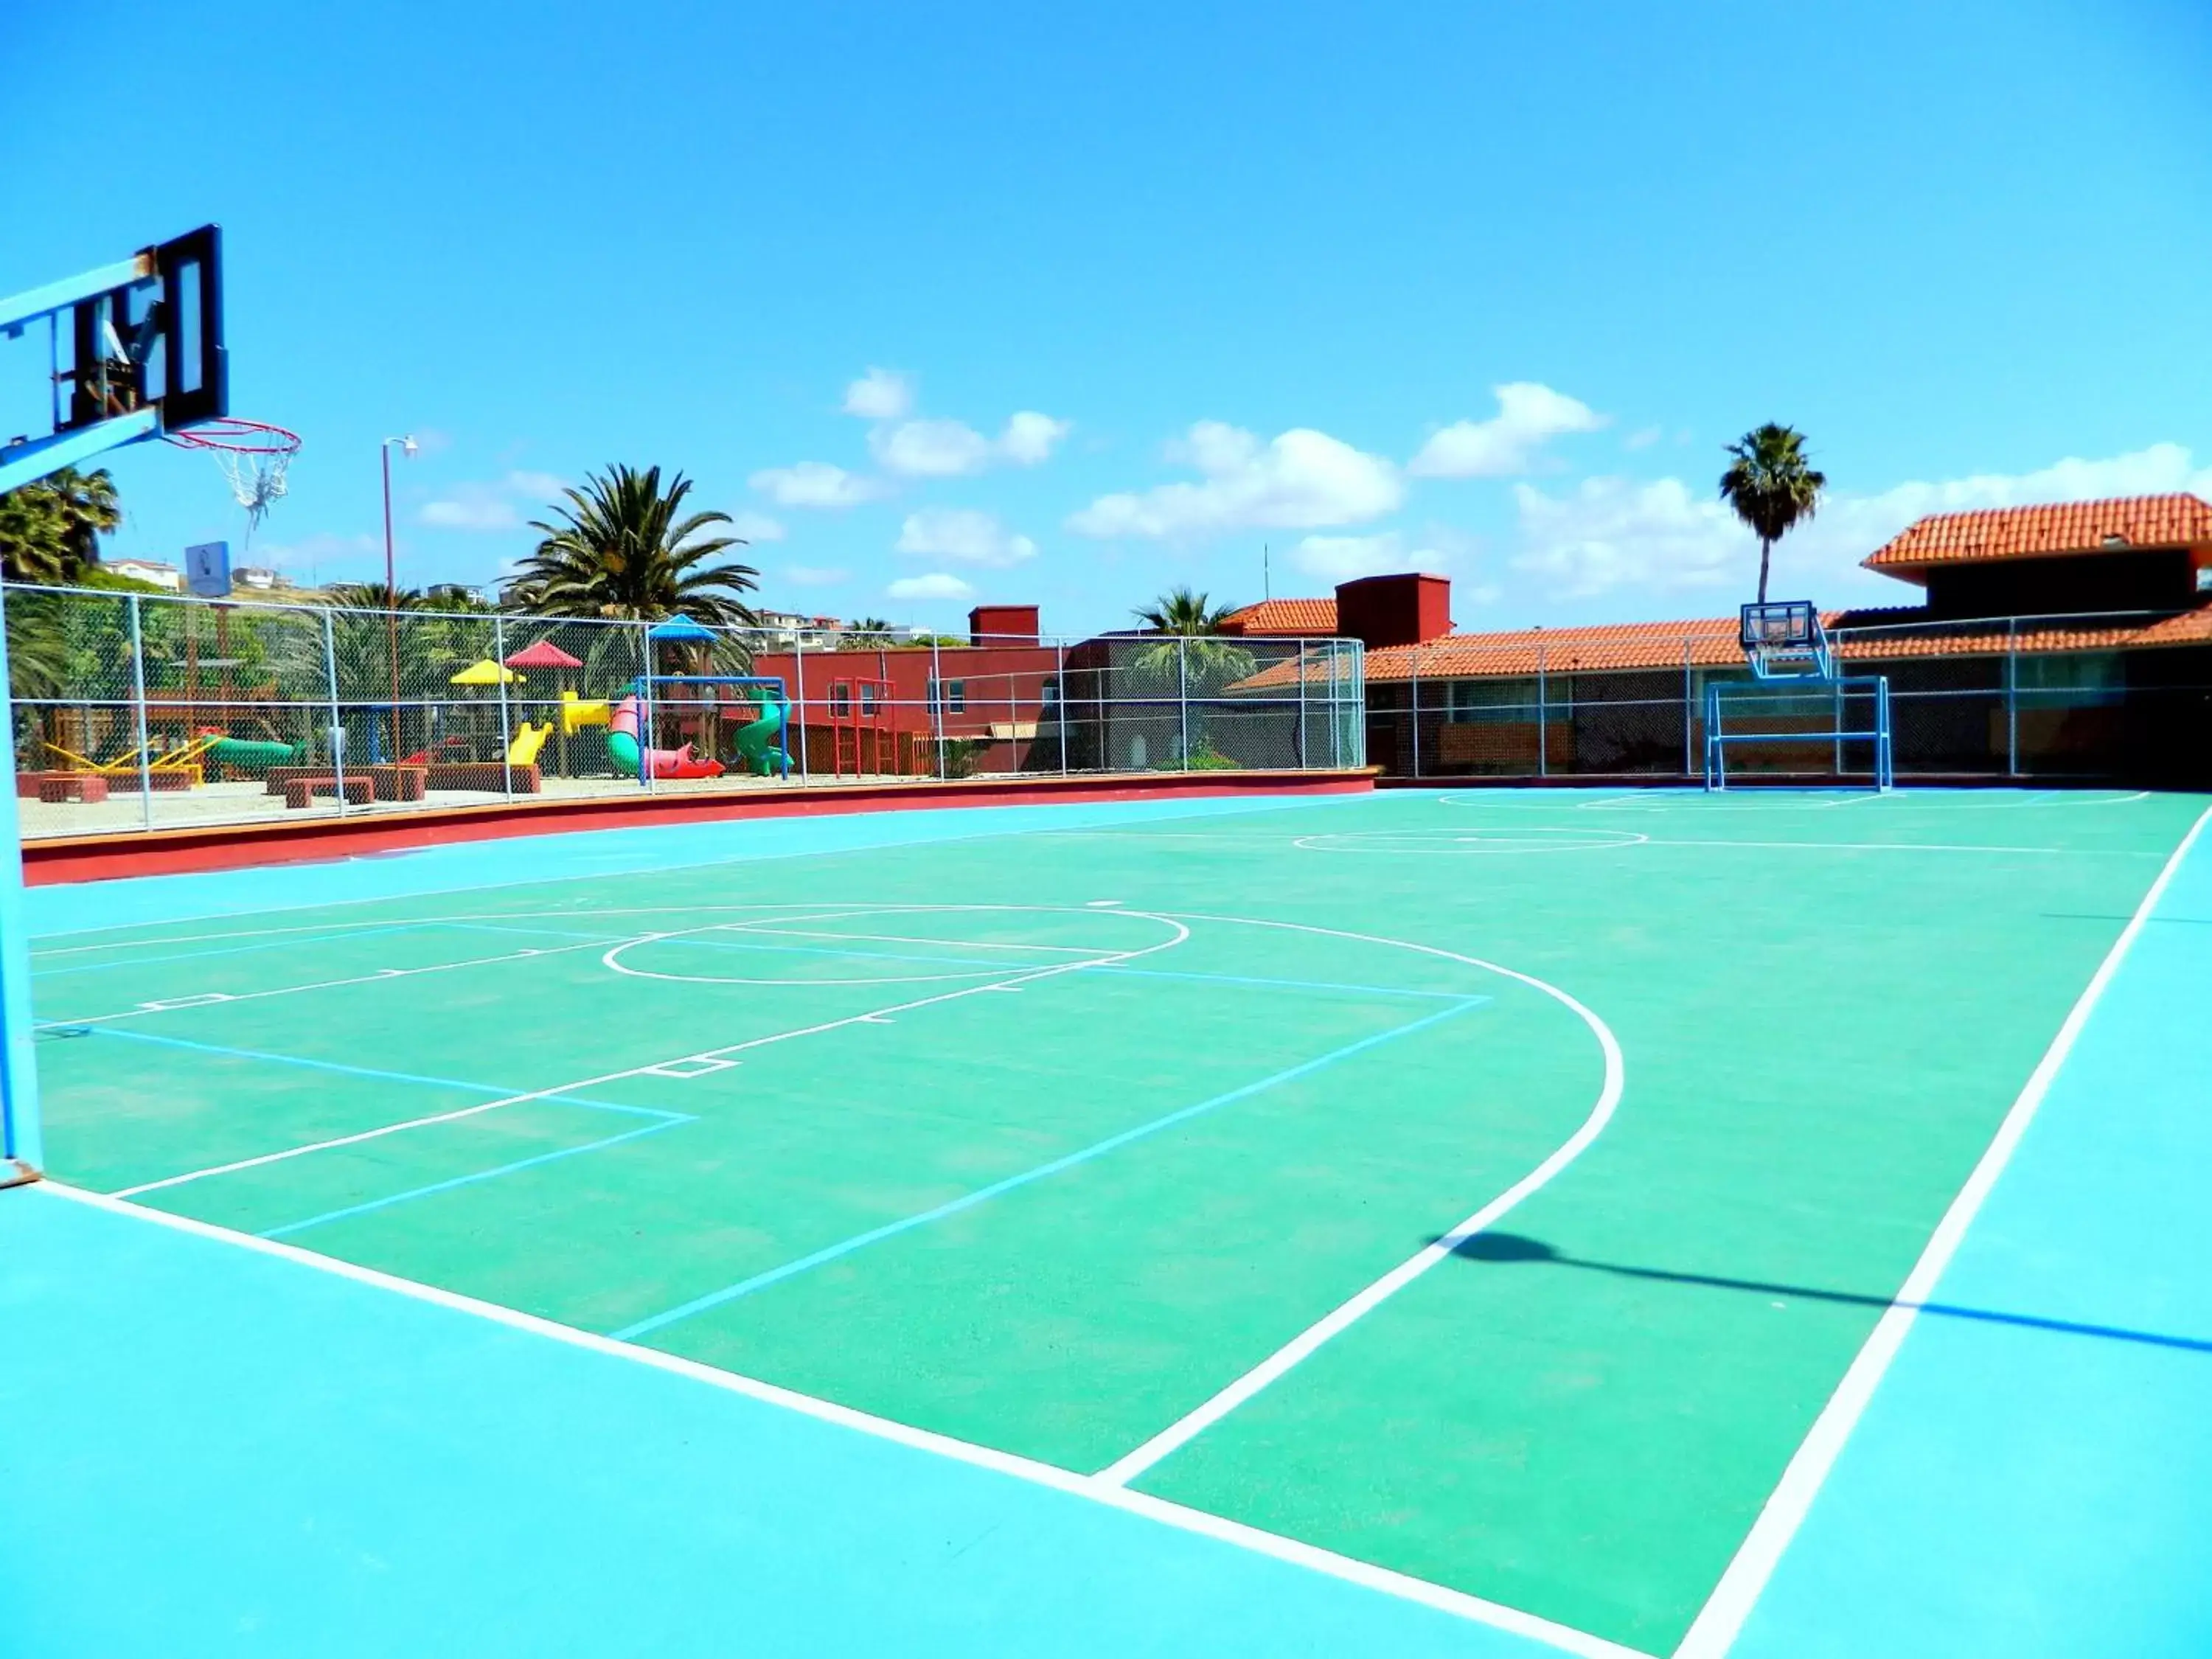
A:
139, 711
2052, 699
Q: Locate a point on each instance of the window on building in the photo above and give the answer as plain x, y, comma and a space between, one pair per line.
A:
841, 700
870, 696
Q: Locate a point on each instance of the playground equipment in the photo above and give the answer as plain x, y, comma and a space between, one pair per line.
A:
629, 754
577, 713
761, 742
163, 767
528, 740
861, 729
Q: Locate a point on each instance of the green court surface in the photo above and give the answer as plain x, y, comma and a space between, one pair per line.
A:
1129, 1150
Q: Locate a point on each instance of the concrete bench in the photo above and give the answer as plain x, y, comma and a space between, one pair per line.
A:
86, 786
302, 792
388, 781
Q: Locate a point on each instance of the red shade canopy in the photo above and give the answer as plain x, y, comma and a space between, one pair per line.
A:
543, 655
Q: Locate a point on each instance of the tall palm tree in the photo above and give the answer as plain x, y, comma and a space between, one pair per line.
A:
1180, 610
622, 548
1193, 654
1773, 486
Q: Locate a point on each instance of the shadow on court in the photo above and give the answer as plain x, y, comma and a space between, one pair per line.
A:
1517, 1250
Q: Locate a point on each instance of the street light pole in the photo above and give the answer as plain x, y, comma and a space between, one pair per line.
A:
391, 584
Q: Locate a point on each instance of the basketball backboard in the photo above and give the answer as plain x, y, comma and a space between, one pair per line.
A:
135, 351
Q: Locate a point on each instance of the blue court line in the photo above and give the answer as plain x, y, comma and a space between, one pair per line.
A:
494, 1174
983, 1194
370, 1072
38, 973
1011, 967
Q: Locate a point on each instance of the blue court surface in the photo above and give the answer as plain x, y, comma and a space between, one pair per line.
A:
214, 1443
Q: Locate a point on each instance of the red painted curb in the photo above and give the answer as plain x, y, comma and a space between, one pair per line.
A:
245, 845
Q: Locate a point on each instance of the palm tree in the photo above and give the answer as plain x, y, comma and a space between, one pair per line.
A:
1193, 655
1180, 611
50, 528
869, 634
1772, 487
622, 549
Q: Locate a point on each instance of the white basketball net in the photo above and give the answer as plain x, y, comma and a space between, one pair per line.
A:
256, 479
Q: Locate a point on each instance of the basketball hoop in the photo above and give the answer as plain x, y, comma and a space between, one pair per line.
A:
253, 455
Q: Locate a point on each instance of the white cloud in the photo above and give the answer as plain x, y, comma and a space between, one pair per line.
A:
472, 507
499, 506
814, 576
1665, 535
1300, 480
755, 527
1341, 558
1642, 438
964, 534
1612, 533
1508, 444
953, 449
881, 394
931, 449
815, 483
1030, 438
317, 548
938, 586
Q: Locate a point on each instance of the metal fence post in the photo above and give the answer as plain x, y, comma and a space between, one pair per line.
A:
1543, 718
1183, 695
937, 704
1304, 759
138, 715
20, 1148
506, 727
799, 675
337, 719
1416, 660
644, 705
1689, 714
1335, 709
2012, 696
1060, 697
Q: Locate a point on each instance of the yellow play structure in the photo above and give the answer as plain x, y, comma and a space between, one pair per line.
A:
528, 740
184, 761
577, 713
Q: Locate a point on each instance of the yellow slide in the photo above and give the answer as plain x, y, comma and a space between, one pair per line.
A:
528, 740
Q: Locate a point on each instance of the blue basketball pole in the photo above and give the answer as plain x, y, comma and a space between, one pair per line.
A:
20, 1154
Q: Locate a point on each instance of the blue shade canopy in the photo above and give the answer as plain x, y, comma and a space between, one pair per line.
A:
680, 627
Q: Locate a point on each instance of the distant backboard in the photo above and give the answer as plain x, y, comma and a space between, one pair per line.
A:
136, 350
207, 569
1783, 639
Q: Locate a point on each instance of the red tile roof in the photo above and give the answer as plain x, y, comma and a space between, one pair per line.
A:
2027, 532
1283, 617
1871, 637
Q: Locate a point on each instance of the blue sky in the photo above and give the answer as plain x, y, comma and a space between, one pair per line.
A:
1068, 303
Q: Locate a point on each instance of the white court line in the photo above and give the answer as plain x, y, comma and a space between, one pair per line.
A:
379, 976
874, 1016
1127, 1468
902, 938
1402, 1586
382, 974
1911, 846
1721, 1618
